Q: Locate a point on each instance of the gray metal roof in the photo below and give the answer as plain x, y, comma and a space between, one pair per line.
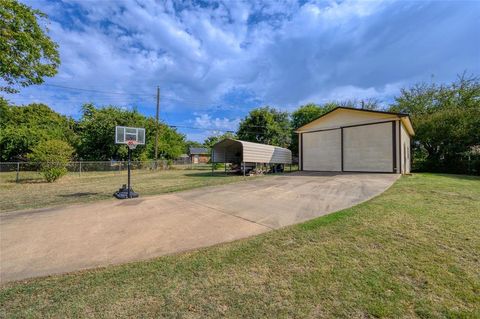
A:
198, 150
230, 150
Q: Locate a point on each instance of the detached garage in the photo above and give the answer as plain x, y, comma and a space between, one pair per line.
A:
355, 140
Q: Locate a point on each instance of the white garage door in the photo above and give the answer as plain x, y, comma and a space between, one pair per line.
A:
322, 151
368, 148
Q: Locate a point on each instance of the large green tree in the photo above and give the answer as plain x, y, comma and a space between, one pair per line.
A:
27, 54
266, 125
97, 135
446, 119
97, 132
171, 144
23, 127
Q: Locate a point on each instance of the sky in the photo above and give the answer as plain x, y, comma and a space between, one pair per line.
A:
215, 61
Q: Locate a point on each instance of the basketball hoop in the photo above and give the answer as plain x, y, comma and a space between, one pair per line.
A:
132, 136
132, 144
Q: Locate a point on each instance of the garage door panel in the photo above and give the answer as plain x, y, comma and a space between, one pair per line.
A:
322, 151
368, 148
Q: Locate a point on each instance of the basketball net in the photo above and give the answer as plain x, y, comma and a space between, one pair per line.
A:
132, 144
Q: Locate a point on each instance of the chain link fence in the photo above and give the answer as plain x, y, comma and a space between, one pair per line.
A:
17, 171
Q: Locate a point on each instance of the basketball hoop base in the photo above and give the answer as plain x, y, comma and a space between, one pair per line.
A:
122, 193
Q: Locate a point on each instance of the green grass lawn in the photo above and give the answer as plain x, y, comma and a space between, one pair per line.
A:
413, 251
34, 192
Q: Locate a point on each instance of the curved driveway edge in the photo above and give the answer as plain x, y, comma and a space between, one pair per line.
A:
58, 240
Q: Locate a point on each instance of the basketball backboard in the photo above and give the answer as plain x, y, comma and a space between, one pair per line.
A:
124, 135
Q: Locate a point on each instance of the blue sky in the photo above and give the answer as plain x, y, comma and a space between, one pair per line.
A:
215, 61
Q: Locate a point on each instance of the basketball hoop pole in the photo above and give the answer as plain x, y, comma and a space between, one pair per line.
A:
128, 165
131, 137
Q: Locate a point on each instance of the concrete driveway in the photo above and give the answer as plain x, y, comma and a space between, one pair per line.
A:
57, 240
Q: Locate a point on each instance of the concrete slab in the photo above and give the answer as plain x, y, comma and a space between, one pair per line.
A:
289, 199
50, 241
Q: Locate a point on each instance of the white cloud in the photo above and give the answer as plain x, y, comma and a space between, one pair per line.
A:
207, 122
282, 53
350, 92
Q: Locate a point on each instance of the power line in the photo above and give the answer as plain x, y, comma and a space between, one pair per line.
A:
200, 128
171, 99
113, 99
121, 100
183, 100
96, 91
214, 129
74, 100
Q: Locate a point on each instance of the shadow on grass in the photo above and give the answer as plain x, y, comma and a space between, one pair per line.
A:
38, 180
223, 174
210, 174
82, 194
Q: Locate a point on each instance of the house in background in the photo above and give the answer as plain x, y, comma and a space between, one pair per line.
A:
199, 155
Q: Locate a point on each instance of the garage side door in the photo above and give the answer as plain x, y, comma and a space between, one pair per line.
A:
368, 148
322, 151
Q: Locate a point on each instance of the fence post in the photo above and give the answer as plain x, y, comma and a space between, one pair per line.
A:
18, 170
80, 169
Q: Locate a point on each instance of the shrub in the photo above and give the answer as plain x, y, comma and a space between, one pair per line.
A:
51, 174
52, 156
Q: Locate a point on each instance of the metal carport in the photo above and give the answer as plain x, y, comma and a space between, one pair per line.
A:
242, 152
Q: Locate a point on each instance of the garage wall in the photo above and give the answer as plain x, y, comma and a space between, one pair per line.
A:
368, 148
405, 150
322, 151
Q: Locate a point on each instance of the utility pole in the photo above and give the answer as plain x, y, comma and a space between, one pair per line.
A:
156, 125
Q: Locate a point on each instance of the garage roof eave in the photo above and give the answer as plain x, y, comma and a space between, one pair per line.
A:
403, 116
408, 124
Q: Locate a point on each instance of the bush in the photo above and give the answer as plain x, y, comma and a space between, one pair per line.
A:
52, 156
51, 174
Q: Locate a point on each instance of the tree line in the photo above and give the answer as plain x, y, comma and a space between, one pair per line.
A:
91, 138
446, 119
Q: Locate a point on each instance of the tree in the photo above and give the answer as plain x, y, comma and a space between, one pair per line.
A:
23, 127
52, 156
266, 125
305, 114
171, 144
446, 119
213, 139
27, 54
97, 132
97, 135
